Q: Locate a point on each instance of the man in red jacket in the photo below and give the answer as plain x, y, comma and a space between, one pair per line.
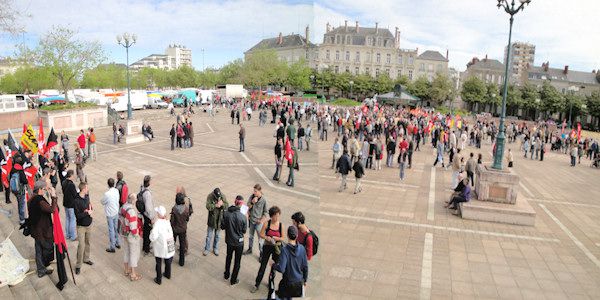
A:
81, 141
304, 236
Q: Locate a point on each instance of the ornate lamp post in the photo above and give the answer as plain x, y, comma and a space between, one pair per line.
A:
351, 84
126, 40
512, 9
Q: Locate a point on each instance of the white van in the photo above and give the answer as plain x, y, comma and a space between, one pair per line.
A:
139, 100
13, 103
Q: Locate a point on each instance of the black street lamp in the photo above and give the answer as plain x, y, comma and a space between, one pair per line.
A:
126, 40
512, 9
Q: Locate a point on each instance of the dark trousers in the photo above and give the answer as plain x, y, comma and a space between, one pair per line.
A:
289, 290
277, 172
7, 194
268, 252
146, 236
44, 254
369, 162
242, 148
182, 246
455, 201
470, 176
159, 273
236, 264
179, 145
172, 143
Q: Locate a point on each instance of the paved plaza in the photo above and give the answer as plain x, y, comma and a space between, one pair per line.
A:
396, 240
214, 161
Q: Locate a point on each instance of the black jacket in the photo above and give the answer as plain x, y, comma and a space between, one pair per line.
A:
81, 204
278, 150
69, 193
359, 170
235, 225
343, 164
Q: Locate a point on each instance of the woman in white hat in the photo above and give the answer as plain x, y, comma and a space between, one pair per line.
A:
163, 243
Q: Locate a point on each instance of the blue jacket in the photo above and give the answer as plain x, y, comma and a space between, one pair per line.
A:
293, 263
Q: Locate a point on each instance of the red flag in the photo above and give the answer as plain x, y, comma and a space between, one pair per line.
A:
30, 174
6, 167
24, 130
289, 153
41, 138
59, 237
578, 132
563, 126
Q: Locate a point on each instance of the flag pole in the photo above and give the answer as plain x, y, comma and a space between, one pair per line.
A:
70, 267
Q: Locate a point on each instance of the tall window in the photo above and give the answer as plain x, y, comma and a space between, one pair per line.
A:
378, 58
399, 73
368, 57
388, 59
376, 72
327, 54
356, 70
357, 57
399, 59
368, 71
410, 77
347, 69
337, 69
422, 68
347, 55
387, 72
337, 55
410, 60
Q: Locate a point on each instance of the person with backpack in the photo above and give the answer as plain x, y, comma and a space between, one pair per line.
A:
145, 206
180, 216
130, 227
122, 188
235, 225
163, 244
92, 151
306, 237
40, 223
83, 216
273, 236
216, 203
293, 265
111, 210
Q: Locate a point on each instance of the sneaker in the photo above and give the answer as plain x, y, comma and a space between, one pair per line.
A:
249, 251
110, 250
254, 289
235, 282
216, 253
157, 281
77, 271
118, 246
205, 253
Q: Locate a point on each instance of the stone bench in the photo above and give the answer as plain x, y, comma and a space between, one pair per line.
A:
520, 213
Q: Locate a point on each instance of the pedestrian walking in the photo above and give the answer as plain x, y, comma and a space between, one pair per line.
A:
92, 151
343, 168
235, 224
359, 172
110, 201
278, 159
242, 136
163, 244
80, 164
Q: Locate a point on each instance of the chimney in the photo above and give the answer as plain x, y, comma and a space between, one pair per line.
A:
327, 28
376, 28
280, 39
346, 25
397, 36
417, 50
307, 35
485, 59
546, 66
356, 26
566, 70
447, 52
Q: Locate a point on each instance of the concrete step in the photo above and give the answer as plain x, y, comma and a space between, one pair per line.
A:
520, 213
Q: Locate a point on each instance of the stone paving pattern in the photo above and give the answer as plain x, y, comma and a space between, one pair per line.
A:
199, 169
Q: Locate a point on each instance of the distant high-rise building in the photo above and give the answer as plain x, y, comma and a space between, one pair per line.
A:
175, 56
522, 56
179, 55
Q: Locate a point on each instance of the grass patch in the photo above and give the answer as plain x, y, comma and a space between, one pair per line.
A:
457, 111
67, 106
345, 102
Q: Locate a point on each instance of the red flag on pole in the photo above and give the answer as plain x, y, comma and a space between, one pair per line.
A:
6, 167
30, 172
59, 237
52, 140
578, 132
41, 138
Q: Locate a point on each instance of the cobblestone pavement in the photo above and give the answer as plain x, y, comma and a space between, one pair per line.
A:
214, 161
389, 242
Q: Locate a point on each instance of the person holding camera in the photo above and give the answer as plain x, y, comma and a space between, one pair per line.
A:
40, 218
216, 203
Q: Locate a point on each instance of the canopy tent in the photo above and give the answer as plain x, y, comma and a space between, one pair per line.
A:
398, 97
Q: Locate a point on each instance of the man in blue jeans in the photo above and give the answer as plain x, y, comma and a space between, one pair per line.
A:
257, 215
19, 186
216, 205
69, 195
111, 210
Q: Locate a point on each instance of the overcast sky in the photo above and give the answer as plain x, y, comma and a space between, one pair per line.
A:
564, 32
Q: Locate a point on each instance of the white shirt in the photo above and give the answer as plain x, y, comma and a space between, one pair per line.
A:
111, 202
161, 237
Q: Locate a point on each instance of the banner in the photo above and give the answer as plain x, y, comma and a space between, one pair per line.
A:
28, 139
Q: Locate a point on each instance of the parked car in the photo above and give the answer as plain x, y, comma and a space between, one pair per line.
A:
157, 103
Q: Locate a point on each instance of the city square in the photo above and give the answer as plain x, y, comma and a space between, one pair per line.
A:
299, 149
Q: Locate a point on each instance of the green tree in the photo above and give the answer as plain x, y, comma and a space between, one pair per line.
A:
66, 56
420, 88
592, 102
105, 76
209, 78
183, 77
28, 80
552, 100
573, 104
473, 91
513, 100
10, 18
383, 84
402, 80
263, 68
325, 80
298, 77
364, 85
441, 88
149, 78
231, 72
